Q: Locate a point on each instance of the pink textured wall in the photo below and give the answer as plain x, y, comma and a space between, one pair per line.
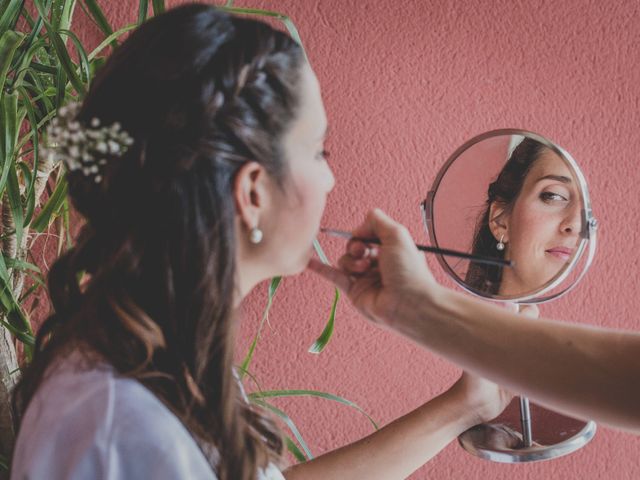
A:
405, 83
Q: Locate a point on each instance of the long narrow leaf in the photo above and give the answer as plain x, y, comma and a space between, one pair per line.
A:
289, 423
62, 53
109, 40
61, 14
10, 15
325, 336
51, 208
9, 42
273, 288
35, 31
309, 393
61, 86
27, 338
82, 54
9, 123
27, 55
143, 11
20, 264
33, 122
99, 17
323, 340
158, 7
295, 451
15, 202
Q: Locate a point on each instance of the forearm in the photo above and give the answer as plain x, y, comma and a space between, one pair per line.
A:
580, 370
396, 450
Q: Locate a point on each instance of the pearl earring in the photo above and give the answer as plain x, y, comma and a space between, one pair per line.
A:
500, 245
255, 235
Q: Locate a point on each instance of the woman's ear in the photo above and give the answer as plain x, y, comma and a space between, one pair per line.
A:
499, 221
251, 193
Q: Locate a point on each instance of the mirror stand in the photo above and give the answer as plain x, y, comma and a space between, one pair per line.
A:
514, 438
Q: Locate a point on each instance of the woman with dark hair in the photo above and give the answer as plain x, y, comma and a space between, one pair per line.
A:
531, 216
197, 159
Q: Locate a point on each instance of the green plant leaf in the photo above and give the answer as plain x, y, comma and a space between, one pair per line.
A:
37, 285
323, 340
35, 31
63, 55
327, 332
143, 11
295, 451
273, 288
15, 202
18, 323
20, 264
27, 338
10, 14
9, 43
309, 393
82, 54
24, 63
30, 176
158, 7
289, 423
98, 16
62, 13
10, 124
61, 87
109, 40
51, 208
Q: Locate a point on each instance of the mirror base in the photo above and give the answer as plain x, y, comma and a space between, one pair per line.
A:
500, 443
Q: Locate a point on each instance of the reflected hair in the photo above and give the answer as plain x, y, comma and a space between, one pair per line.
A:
503, 191
201, 93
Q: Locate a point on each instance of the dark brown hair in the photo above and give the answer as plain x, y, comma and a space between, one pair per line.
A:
201, 93
503, 191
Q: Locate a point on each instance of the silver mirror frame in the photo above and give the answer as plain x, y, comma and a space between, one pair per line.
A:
587, 235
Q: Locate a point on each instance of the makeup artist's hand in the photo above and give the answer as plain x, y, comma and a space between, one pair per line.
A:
377, 278
483, 399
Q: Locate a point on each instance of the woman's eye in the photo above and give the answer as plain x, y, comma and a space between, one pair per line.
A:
553, 197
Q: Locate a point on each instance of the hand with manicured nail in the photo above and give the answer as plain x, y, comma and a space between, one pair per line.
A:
377, 277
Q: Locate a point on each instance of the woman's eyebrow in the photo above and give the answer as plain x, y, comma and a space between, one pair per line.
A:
558, 178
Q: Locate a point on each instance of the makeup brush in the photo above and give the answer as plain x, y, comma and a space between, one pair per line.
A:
424, 248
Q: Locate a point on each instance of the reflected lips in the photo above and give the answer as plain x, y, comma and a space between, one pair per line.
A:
563, 253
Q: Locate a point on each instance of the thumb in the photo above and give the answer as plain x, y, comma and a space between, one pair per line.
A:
335, 276
379, 225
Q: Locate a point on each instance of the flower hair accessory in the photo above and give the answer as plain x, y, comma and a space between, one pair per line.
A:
84, 148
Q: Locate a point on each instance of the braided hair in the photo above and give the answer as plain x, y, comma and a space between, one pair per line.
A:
201, 93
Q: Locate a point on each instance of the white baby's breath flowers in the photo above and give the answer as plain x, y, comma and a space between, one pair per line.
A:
84, 148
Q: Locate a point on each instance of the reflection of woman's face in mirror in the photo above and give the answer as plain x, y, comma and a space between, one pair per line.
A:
540, 229
531, 216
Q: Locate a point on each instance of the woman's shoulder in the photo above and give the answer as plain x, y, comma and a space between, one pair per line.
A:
92, 422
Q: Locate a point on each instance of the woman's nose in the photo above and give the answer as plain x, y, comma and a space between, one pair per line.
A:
571, 223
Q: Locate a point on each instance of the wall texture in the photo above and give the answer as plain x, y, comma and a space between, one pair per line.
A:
405, 83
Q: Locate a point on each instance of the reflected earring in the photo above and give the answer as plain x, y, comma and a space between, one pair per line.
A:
255, 235
500, 245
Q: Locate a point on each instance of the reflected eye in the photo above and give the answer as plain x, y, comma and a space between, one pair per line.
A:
549, 197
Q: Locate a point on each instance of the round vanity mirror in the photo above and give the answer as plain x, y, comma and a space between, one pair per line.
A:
513, 195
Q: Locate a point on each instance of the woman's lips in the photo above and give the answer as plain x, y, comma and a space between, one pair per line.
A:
562, 253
